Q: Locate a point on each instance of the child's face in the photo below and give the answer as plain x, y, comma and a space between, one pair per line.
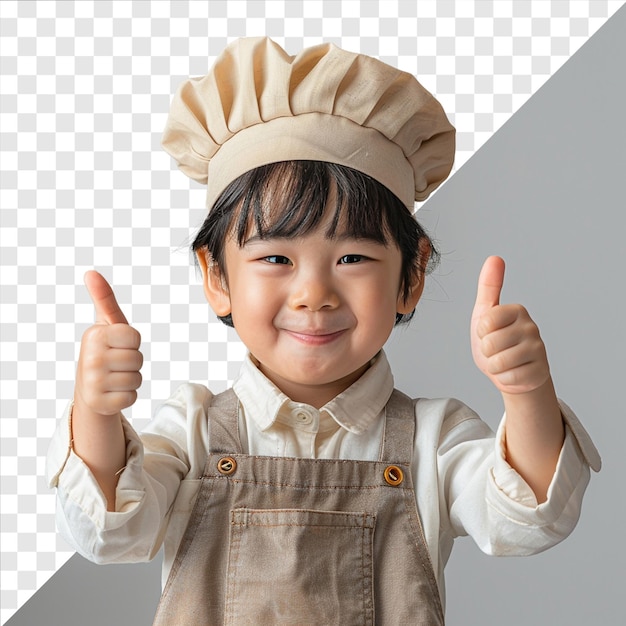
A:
312, 310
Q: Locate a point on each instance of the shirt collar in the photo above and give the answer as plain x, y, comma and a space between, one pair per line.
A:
355, 409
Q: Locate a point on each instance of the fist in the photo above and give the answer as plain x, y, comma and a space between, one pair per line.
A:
108, 376
506, 345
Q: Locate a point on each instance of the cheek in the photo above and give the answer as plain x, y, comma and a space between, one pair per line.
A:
252, 301
377, 305
386, 291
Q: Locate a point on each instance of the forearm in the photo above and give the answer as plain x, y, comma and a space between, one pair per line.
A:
534, 436
99, 441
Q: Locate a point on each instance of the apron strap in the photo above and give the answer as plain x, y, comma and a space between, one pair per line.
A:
399, 439
223, 423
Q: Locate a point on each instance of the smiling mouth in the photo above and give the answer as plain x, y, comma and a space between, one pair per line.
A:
315, 338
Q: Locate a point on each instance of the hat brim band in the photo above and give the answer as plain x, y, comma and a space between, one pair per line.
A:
316, 137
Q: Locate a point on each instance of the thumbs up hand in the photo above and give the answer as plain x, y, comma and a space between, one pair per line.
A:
107, 376
506, 345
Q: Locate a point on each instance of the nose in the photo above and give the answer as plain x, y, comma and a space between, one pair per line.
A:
314, 290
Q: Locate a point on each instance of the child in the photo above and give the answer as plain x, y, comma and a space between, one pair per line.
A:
313, 492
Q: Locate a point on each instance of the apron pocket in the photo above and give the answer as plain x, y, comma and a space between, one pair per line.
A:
300, 567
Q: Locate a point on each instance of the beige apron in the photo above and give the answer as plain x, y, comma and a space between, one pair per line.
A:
303, 541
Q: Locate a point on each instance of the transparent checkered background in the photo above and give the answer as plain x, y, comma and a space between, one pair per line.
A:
85, 88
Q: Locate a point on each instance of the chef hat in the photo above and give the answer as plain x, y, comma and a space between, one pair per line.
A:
259, 105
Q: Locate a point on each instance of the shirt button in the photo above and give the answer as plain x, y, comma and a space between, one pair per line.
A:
303, 417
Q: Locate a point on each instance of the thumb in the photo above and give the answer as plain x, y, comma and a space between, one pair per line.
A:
107, 309
490, 284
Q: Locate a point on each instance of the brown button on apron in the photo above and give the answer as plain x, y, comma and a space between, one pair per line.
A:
303, 541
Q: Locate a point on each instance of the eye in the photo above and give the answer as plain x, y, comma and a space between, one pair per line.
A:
277, 259
351, 258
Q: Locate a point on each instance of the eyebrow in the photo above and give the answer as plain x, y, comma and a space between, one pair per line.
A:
337, 236
257, 238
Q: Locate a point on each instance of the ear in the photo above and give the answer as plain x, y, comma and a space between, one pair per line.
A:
214, 283
407, 306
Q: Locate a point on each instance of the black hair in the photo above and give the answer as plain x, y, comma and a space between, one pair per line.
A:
290, 198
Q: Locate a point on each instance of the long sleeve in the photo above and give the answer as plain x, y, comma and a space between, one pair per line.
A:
478, 493
162, 466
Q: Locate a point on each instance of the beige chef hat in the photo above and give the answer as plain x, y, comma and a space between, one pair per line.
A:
259, 105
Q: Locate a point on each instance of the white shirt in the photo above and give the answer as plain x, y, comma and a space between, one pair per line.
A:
463, 484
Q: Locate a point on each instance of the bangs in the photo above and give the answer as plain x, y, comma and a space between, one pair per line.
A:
291, 198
